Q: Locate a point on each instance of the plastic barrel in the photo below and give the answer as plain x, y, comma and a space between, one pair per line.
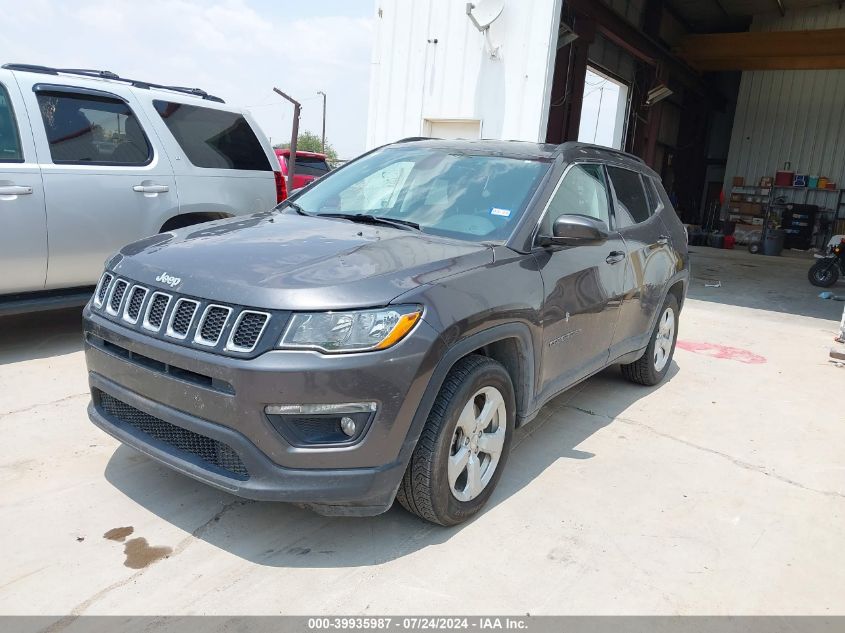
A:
773, 244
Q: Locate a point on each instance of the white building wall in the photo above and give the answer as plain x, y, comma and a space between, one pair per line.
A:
791, 115
430, 62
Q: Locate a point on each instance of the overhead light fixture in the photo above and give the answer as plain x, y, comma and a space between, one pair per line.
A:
658, 94
565, 36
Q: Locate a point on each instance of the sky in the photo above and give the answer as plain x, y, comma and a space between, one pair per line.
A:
235, 49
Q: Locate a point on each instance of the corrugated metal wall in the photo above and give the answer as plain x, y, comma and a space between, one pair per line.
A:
796, 116
429, 62
608, 55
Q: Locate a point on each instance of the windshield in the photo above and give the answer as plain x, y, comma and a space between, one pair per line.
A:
471, 197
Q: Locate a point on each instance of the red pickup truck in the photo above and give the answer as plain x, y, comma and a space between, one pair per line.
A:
309, 166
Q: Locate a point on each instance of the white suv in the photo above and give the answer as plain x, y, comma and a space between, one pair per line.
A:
90, 161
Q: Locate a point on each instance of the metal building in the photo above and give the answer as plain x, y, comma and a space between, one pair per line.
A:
706, 91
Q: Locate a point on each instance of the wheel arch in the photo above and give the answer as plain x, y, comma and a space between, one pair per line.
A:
511, 344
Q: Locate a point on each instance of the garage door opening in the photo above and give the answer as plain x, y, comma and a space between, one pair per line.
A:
603, 111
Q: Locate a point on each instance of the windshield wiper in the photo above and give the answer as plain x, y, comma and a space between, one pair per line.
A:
365, 218
298, 209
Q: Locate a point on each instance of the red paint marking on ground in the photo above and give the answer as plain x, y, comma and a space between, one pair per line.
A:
723, 352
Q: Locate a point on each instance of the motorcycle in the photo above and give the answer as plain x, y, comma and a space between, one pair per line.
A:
825, 272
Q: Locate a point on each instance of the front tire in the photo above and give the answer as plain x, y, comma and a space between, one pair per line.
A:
823, 274
653, 366
464, 445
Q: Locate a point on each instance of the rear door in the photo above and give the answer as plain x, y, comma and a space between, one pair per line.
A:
651, 259
583, 284
23, 219
222, 161
106, 183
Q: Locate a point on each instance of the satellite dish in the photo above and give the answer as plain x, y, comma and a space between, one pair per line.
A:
484, 12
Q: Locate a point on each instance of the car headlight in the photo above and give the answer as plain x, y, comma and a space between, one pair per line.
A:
351, 331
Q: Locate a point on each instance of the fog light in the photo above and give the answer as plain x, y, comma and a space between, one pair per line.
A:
347, 425
321, 424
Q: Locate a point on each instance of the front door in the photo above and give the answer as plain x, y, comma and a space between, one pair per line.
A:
23, 238
104, 182
583, 284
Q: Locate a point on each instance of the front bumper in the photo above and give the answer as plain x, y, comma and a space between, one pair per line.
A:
222, 400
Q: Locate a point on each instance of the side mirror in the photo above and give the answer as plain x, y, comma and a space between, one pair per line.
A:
575, 230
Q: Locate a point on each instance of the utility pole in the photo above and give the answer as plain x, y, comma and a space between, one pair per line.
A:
320, 92
294, 134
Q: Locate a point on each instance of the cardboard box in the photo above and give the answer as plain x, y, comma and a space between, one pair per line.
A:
739, 181
751, 208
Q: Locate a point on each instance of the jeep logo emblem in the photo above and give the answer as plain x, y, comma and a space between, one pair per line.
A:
170, 281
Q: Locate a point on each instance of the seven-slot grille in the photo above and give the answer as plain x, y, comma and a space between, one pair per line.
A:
211, 324
116, 298
155, 311
173, 317
103, 289
133, 307
247, 331
183, 316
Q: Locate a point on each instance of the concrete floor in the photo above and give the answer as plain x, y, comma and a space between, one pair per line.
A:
720, 492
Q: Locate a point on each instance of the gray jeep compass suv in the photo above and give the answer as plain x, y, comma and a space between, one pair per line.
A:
382, 333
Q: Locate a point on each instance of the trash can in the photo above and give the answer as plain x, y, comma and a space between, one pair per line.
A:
773, 242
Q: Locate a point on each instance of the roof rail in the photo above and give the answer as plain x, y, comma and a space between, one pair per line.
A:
107, 74
411, 139
604, 148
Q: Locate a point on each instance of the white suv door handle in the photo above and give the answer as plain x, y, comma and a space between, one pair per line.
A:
151, 188
15, 190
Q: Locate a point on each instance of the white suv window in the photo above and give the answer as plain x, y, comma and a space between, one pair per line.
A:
10, 143
213, 138
92, 129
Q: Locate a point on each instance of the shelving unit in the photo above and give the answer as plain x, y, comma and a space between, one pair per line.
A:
772, 211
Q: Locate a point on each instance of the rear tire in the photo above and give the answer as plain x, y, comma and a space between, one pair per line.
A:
450, 476
823, 274
653, 366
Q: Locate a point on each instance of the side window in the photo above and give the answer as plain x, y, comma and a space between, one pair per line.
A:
213, 138
10, 143
632, 205
583, 191
99, 130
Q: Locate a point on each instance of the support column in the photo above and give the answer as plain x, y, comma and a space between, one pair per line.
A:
568, 85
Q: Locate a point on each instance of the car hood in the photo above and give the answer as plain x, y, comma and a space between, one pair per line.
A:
279, 261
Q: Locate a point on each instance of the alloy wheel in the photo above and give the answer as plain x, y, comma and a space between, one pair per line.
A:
664, 339
477, 443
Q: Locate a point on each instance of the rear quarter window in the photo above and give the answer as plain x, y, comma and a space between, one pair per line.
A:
214, 139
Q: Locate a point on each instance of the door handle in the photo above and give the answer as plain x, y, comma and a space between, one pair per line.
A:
615, 257
663, 240
151, 188
15, 190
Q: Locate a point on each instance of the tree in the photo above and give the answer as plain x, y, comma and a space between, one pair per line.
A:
310, 142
